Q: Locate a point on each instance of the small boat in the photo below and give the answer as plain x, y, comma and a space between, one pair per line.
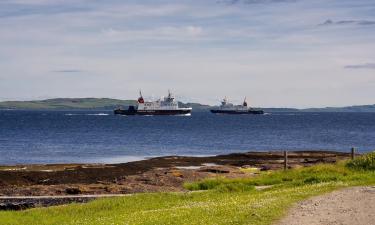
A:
164, 106
229, 108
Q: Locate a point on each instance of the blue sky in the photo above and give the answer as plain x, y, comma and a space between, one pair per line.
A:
280, 53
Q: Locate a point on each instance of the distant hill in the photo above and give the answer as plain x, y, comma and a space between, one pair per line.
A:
110, 104
357, 108
281, 110
197, 107
68, 103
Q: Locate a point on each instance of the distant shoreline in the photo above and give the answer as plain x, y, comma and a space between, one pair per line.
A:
267, 110
110, 104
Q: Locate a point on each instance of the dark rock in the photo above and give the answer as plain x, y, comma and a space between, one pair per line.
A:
73, 191
214, 170
21, 204
265, 168
16, 206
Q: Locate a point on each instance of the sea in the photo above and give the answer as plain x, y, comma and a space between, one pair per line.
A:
39, 137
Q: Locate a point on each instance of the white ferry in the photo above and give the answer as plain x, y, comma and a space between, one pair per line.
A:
164, 106
229, 108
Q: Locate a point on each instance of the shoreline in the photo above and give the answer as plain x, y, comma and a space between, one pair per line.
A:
159, 174
271, 154
120, 160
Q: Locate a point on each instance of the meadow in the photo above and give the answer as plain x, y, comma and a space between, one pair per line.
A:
212, 201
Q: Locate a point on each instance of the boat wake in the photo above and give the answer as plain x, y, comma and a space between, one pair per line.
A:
98, 114
188, 114
86, 114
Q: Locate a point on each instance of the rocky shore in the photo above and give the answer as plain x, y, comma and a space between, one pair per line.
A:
21, 203
161, 174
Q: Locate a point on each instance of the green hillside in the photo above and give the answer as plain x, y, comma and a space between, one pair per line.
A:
196, 106
357, 108
67, 103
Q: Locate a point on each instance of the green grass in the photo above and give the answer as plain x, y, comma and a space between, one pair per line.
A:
211, 207
365, 162
297, 177
227, 201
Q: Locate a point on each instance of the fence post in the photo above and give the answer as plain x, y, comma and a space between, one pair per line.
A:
285, 160
352, 153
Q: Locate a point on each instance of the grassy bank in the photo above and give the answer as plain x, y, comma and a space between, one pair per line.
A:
225, 201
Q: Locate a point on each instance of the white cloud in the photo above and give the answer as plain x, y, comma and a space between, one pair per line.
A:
161, 33
273, 53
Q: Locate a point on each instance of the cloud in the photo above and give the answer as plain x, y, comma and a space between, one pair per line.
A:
170, 33
57, 45
68, 71
105, 9
10, 10
232, 2
361, 66
347, 22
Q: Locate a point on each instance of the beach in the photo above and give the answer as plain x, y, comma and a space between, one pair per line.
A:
160, 174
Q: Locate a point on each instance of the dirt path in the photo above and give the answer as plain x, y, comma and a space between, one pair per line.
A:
344, 207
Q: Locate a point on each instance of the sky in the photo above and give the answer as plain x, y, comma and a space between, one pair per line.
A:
278, 53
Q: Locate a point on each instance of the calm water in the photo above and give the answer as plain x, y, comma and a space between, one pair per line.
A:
64, 136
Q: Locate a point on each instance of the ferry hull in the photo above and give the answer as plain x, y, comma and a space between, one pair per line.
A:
218, 111
152, 112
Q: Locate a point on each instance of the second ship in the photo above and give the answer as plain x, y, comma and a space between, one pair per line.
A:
165, 106
229, 108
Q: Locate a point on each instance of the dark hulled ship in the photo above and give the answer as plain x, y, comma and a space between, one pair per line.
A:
229, 108
165, 106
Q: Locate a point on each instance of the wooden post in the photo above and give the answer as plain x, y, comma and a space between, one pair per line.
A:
285, 160
352, 153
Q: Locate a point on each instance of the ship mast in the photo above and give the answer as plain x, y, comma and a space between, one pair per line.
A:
170, 97
225, 101
140, 99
